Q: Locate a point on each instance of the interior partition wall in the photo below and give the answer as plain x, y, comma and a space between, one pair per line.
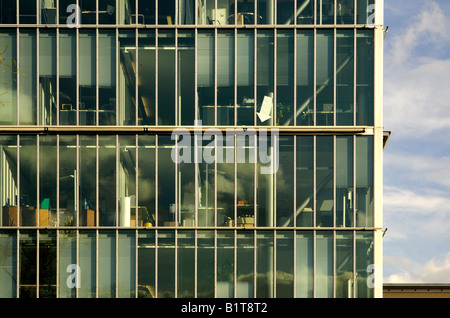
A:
135, 144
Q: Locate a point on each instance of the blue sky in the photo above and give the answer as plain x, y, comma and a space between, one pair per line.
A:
417, 156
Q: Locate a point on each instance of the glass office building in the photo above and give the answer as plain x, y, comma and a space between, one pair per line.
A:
132, 139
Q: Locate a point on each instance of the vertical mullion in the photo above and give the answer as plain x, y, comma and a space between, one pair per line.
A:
96, 260
215, 73
177, 103
77, 177
37, 262
334, 76
334, 263
18, 76
315, 78
117, 76
354, 74
156, 181
295, 182
57, 75
156, 70
97, 120
77, 71
117, 181
295, 74
334, 181
255, 75
97, 181
176, 261
57, 178
37, 74
235, 74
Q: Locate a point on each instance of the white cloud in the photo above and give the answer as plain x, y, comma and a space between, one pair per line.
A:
416, 81
436, 270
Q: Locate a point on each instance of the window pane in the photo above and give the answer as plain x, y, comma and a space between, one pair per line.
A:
186, 184
9, 181
47, 77
267, 166
166, 77
245, 77
205, 77
8, 14
128, 210
225, 77
27, 77
88, 262
146, 264
206, 184
245, 12
365, 11
205, 261
146, 11
285, 12
324, 264
266, 12
87, 190
225, 12
305, 77
107, 77
364, 77
67, 78
127, 78
67, 180
344, 181
304, 271
285, 264
186, 264
325, 12
88, 11
166, 182
324, 181
28, 264
226, 180
265, 77
305, 12
47, 264
146, 77
146, 180
166, 11
264, 264
8, 77
28, 178
68, 258
87, 80
305, 180
245, 143
107, 180
8, 264
364, 181
364, 261
166, 264
127, 12
47, 180
245, 265
344, 265
107, 11
344, 77
285, 77
225, 264
27, 11
186, 77
127, 265
345, 12
186, 11
64, 14
324, 78
107, 263
285, 182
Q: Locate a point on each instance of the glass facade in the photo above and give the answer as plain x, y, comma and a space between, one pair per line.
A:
135, 138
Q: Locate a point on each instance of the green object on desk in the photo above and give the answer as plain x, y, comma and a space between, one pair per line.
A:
45, 203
